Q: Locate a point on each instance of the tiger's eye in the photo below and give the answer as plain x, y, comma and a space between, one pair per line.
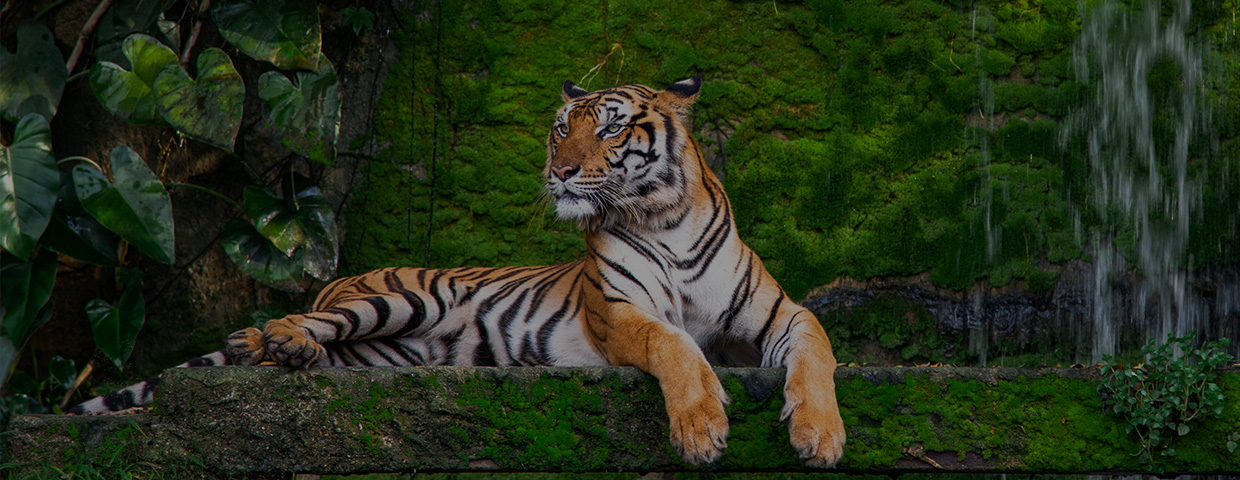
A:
613, 128
562, 130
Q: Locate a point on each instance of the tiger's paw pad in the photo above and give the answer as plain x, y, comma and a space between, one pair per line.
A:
817, 436
700, 432
245, 347
290, 346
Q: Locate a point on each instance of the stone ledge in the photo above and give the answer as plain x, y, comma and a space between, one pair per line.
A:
230, 421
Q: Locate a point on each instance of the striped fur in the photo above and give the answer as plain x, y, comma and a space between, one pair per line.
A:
666, 284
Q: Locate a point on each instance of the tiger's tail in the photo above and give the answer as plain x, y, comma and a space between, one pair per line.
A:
141, 393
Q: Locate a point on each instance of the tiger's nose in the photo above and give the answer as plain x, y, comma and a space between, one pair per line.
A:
565, 172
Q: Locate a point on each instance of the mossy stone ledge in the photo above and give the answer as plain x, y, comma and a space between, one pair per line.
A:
235, 422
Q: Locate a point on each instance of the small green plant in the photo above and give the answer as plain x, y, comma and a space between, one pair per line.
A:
357, 18
1163, 396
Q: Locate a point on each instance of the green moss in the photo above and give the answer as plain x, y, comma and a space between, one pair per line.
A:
852, 148
1044, 423
560, 417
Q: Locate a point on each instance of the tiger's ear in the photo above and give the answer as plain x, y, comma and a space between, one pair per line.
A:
682, 94
571, 91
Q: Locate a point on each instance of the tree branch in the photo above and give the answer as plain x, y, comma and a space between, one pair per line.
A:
87, 30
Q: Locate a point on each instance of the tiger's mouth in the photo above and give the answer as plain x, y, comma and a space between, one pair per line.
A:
573, 207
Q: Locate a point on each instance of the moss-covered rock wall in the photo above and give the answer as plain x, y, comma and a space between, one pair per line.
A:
856, 139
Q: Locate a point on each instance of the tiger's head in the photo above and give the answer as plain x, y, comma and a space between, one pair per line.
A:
619, 154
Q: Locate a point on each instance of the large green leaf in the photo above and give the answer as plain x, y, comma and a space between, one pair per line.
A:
25, 290
305, 112
8, 357
28, 181
207, 109
75, 233
136, 207
33, 77
62, 371
285, 33
116, 328
255, 255
128, 93
302, 221
123, 18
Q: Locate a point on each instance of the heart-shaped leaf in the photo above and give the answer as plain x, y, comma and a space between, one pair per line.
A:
33, 77
136, 207
255, 255
128, 94
285, 33
207, 109
75, 233
62, 371
307, 112
28, 181
25, 290
302, 221
123, 18
116, 328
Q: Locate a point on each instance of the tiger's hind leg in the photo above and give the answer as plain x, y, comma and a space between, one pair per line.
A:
297, 341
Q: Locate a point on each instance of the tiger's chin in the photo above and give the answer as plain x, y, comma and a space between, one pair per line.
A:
572, 208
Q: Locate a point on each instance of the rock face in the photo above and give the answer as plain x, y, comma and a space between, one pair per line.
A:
910, 320
228, 421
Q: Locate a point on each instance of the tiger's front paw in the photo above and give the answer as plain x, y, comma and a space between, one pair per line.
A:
699, 429
245, 347
290, 345
817, 431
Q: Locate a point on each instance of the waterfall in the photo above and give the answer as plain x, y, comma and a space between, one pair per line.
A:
1138, 137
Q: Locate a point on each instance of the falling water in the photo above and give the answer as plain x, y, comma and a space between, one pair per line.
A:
1140, 181
979, 337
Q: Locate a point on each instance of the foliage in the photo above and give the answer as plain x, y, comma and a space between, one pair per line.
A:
28, 182
116, 327
283, 32
33, 76
94, 212
306, 113
136, 206
284, 235
1166, 394
207, 108
130, 94
357, 18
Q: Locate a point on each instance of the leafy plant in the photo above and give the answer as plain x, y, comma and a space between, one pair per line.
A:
305, 112
357, 18
283, 32
28, 182
1164, 396
130, 94
33, 76
136, 206
284, 236
207, 108
91, 213
116, 327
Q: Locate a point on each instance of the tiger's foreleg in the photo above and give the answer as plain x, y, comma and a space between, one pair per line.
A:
793, 338
692, 393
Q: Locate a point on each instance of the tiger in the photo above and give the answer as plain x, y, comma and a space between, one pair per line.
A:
666, 281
